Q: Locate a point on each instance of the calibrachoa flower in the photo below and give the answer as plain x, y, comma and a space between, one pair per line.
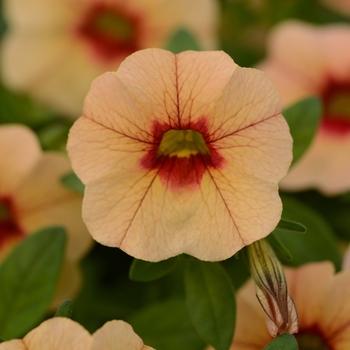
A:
64, 334
32, 198
308, 60
181, 154
54, 49
323, 303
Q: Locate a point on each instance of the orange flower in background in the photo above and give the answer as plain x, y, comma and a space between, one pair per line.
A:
32, 198
323, 303
64, 334
181, 154
308, 60
53, 50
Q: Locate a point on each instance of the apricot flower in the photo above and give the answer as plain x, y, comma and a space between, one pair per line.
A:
307, 60
181, 154
32, 198
54, 49
64, 334
323, 303
341, 6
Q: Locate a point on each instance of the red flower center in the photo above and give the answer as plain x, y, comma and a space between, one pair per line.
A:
336, 100
311, 340
9, 227
110, 32
181, 157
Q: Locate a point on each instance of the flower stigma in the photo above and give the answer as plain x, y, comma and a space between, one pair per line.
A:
182, 143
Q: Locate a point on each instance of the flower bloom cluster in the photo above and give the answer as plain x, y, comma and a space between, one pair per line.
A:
307, 60
64, 334
32, 197
181, 154
54, 49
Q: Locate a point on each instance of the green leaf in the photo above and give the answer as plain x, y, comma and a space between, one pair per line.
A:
283, 342
291, 226
303, 119
72, 181
28, 278
183, 40
211, 302
65, 309
1, 340
144, 271
319, 243
279, 248
166, 325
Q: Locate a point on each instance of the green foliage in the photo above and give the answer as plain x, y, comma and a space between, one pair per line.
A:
30, 274
211, 302
72, 181
291, 226
166, 325
144, 271
182, 40
317, 244
303, 118
65, 309
283, 342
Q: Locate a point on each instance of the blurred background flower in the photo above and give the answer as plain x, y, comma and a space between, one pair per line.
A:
308, 60
32, 197
53, 50
323, 303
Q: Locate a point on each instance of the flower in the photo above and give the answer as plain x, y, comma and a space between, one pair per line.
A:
181, 154
64, 334
323, 303
341, 6
271, 289
32, 198
308, 60
53, 50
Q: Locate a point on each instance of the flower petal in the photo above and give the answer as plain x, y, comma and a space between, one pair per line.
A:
16, 158
117, 335
57, 334
44, 201
14, 344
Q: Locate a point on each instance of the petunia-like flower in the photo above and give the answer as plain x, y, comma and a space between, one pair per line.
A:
272, 290
54, 49
341, 6
64, 334
181, 154
323, 303
308, 60
32, 198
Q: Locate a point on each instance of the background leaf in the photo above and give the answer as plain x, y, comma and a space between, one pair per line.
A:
29, 275
303, 119
144, 271
182, 40
317, 244
211, 302
283, 342
166, 325
65, 309
72, 181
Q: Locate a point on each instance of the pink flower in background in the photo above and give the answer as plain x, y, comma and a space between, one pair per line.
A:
181, 154
307, 60
64, 334
32, 198
54, 49
323, 303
